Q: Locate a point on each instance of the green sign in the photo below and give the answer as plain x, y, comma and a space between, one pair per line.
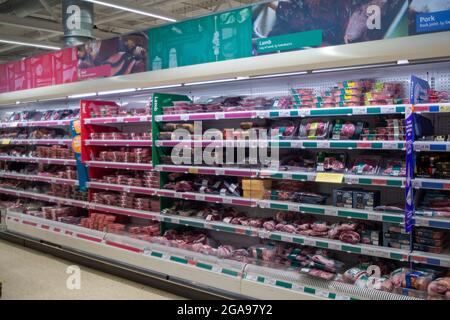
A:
219, 37
292, 41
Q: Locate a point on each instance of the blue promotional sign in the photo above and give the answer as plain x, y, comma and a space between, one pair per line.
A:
433, 21
409, 206
418, 90
75, 131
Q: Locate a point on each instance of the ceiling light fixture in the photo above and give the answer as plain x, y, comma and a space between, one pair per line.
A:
104, 93
403, 62
213, 81
131, 8
161, 87
82, 95
369, 66
276, 75
30, 44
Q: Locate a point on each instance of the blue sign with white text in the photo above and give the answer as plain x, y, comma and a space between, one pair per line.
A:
433, 21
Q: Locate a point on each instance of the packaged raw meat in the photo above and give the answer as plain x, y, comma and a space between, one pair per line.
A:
283, 129
346, 130
417, 280
394, 168
351, 237
318, 273
353, 274
331, 162
365, 166
439, 287
314, 130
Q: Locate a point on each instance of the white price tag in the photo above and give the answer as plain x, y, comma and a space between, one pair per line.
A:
270, 281
323, 144
53, 180
374, 217
165, 256
143, 119
229, 143
359, 110
351, 180
200, 197
294, 207
227, 200
216, 269
219, 116
334, 246
286, 238
330, 212
390, 145
264, 234
284, 113
263, 114
296, 144
422, 147
127, 189
251, 277
298, 288
309, 242
264, 204
175, 220
304, 112
184, 117
322, 294
177, 195
388, 109
120, 119
287, 176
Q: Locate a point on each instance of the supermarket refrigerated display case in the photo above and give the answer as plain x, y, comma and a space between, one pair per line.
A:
113, 141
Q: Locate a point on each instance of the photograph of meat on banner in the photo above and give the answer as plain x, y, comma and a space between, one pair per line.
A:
122, 55
301, 24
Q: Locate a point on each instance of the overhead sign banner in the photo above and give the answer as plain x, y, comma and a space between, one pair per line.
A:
219, 37
302, 24
429, 16
113, 57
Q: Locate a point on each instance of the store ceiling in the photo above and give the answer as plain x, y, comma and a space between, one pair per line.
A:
40, 20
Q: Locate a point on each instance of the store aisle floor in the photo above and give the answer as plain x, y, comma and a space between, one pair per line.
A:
30, 274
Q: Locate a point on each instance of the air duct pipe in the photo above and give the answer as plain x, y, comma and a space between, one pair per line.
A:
78, 20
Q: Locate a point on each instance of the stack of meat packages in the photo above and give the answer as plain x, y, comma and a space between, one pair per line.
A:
62, 191
126, 200
350, 94
121, 136
148, 179
435, 203
103, 111
103, 222
387, 129
131, 155
427, 240
54, 152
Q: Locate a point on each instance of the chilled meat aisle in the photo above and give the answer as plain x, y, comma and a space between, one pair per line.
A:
308, 229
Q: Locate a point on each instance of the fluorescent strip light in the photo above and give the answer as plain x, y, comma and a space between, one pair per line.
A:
82, 95
403, 62
355, 68
280, 75
28, 44
137, 11
211, 82
162, 87
104, 93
